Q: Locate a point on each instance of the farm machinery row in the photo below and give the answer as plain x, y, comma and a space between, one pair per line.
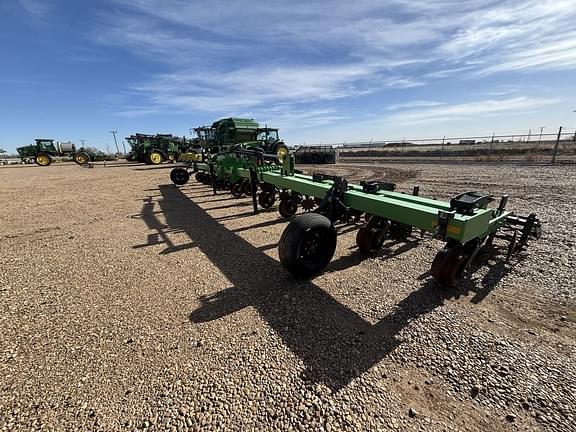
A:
466, 224
44, 151
155, 149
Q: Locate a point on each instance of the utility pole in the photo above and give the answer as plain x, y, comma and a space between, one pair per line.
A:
492, 144
82, 141
442, 151
117, 149
124, 147
529, 133
556, 146
541, 129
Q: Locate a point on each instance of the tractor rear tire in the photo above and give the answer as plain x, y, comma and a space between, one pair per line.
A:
82, 158
154, 158
179, 176
307, 245
43, 159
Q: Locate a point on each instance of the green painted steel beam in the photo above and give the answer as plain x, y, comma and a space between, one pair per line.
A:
416, 211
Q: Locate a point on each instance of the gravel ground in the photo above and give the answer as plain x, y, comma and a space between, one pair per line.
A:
129, 304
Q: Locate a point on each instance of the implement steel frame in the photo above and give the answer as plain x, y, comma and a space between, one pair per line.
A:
427, 214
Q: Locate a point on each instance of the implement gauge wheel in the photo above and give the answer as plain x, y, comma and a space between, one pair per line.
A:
307, 245
42, 159
179, 176
266, 199
199, 175
237, 189
370, 240
399, 231
288, 207
247, 188
449, 265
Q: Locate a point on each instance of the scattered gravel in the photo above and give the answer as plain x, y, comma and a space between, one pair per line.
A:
129, 304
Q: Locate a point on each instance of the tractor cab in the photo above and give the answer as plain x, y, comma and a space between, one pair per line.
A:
45, 145
267, 135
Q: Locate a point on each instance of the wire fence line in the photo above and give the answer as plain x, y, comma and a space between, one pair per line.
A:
539, 147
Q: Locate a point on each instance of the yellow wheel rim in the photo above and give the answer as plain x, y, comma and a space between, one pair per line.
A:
155, 158
43, 160
282, 153
82, 159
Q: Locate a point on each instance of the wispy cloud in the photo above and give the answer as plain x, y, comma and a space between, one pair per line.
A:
483, 108
254, 56
38, 8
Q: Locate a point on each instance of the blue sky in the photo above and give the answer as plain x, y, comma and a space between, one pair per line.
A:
327, 71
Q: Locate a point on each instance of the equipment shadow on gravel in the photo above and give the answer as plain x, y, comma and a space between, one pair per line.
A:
334, 342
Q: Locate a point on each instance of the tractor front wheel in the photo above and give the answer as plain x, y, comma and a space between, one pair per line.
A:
179, 176
43, 159
82, 158
307, 245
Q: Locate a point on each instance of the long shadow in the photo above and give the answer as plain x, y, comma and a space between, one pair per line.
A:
162, 231
334, 342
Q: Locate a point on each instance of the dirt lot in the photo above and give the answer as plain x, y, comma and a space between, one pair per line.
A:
127, 303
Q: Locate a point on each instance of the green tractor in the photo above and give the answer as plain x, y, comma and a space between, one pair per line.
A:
246, 133
155, 149
44, 151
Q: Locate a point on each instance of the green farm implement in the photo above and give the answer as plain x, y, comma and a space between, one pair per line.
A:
466, 223
44, 151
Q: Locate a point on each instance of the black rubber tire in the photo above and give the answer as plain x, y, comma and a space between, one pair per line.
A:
266, 199
40, 155
370, 240
179, 176
307, 245
288, 207
278, 147
158, 157
449, 264
399, 231
199, 175
81, 156
236, 189
247, 187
